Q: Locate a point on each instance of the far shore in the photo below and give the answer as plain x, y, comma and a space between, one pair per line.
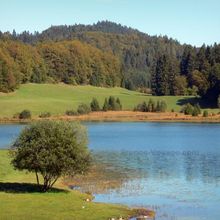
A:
125, 116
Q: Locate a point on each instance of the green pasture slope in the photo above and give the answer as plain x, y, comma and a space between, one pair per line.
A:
19, 202
57, 98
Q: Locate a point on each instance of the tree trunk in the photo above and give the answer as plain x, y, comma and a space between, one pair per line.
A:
38, 183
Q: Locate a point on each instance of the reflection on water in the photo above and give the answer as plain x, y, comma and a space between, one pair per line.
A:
173, 168
160, 166
173, 183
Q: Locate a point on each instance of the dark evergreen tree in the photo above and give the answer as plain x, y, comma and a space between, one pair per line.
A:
112, 103
163, 79
118, 104
94, 105
105, 105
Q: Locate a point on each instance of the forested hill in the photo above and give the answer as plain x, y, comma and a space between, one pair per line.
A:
109, 54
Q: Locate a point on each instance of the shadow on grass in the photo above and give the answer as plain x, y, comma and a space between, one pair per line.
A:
194, 100
25, 188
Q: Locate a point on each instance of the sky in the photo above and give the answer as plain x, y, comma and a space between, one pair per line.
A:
189, 21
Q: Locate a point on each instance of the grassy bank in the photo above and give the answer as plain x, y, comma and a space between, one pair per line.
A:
20, 200
58, 98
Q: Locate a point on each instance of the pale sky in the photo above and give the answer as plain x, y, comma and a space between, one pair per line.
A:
189, 21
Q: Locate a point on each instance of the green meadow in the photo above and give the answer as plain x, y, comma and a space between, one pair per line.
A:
20, 200
57, 98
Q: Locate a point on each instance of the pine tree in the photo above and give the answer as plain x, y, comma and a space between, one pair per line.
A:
118, 103
158, 106
163, 106
94, 105
105, 106
164, 76
188, 109
112, 103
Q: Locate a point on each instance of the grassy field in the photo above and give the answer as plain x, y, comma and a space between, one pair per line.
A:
57, 98
19, 203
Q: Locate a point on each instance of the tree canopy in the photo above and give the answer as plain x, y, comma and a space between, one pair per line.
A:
51, 149
109, 54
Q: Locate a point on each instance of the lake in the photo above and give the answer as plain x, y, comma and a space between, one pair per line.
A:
175, 167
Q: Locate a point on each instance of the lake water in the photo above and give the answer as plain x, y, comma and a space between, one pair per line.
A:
177, 165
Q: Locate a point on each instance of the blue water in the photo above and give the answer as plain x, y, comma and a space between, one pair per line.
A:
177, 165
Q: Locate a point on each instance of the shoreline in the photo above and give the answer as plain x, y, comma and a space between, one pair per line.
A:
123, 116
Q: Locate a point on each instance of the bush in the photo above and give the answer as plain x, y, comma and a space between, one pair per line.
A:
195, 112
187, 109
83, 109
197, 107
25, 114
142, 107
151, 107
163, 106
112, 104
45, 115
71, 112
205, 113
105, 105
94, 105
118, 105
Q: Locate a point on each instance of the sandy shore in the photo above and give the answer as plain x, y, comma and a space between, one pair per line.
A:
126, 116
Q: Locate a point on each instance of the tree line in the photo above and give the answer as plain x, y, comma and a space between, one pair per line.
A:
196, 73
109, 54
71, 62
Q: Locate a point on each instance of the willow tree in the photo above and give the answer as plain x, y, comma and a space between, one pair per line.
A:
51, 149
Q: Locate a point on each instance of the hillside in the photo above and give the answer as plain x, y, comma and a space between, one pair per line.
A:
57, 98
109, 54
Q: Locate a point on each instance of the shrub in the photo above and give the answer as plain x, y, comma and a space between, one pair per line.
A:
151, 106
83, 109
45, 115
142, 107
94, 105
205, 113
187, 109
71, 112
118, 105
195, 112
163, 106
112, 103
25, 114
198, 109
105, 105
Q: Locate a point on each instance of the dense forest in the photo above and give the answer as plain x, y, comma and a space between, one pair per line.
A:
108, 54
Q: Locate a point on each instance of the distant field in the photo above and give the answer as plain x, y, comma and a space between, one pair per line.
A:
57, 98
19, 203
